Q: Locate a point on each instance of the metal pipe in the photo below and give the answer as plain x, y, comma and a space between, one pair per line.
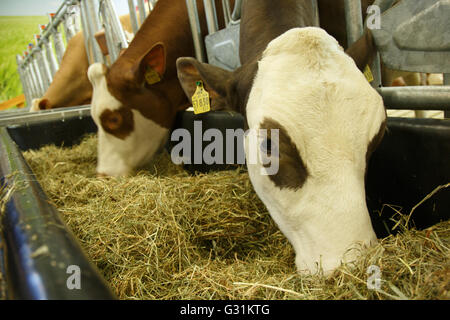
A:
196, 30
211, 16
116, 26
61, 114
354, 21
113, 51
133, 16
416, 98
447, 83
43, 71
142, 13
51, 59
93, 26
22, 77
151, 4
236, 15
85, 28
29, 76
376, 71
37, 73
59, 45
316, 13
226, 11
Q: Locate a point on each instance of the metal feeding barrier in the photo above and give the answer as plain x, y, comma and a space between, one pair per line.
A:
39, 63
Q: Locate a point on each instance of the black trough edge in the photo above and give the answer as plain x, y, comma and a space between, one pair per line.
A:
42, 257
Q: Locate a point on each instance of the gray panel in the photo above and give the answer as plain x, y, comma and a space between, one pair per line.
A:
414, 36
222, 48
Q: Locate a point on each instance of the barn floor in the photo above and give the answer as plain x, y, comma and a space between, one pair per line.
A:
164, 234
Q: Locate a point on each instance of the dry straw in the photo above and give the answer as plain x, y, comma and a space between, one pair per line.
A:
165, 234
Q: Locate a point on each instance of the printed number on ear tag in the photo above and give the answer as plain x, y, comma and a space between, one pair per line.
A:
200, 99
151, 76
368, 73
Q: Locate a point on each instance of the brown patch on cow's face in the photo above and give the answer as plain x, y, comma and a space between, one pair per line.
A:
119, 122
292, 172
375, 142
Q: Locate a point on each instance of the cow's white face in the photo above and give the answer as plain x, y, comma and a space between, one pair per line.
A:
126, 139
327, 115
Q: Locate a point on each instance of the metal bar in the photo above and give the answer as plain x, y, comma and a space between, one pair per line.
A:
416, 98
43, 71
45, 115
316, 13
353, 17
447, 83
152, 4
29, 76
133, 16
51, 59
236, 15
116, 26
37, 73
142, 13
59, 45
93, 25
113, 51
34, 79
196, 30
85, 28
23, 79
211, 16
38, 246
226, 11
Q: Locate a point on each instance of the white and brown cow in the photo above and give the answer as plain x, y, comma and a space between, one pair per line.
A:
297, 79
135, 101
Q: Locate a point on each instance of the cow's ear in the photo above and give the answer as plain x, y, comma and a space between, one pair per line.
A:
363, 50
218, 82
151, 66
101, 40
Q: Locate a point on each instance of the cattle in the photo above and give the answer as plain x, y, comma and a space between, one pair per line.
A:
135, 101
70, 86
296, 80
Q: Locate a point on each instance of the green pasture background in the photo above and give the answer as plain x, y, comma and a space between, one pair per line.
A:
15, 34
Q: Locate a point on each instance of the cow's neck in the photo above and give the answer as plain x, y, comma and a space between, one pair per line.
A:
264, 20
154, 30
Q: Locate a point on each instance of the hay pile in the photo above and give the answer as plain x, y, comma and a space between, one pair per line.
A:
163, 234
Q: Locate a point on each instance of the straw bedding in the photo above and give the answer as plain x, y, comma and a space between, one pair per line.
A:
165, 234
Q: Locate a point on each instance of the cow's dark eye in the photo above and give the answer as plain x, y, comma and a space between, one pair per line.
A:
266, 146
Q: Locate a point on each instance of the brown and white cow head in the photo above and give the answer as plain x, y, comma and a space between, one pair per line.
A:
133, 114
329, 119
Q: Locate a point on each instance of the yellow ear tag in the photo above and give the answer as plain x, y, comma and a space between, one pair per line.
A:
200, 99
368, 73
151, 76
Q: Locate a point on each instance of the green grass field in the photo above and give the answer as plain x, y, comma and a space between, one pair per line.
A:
15, 34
